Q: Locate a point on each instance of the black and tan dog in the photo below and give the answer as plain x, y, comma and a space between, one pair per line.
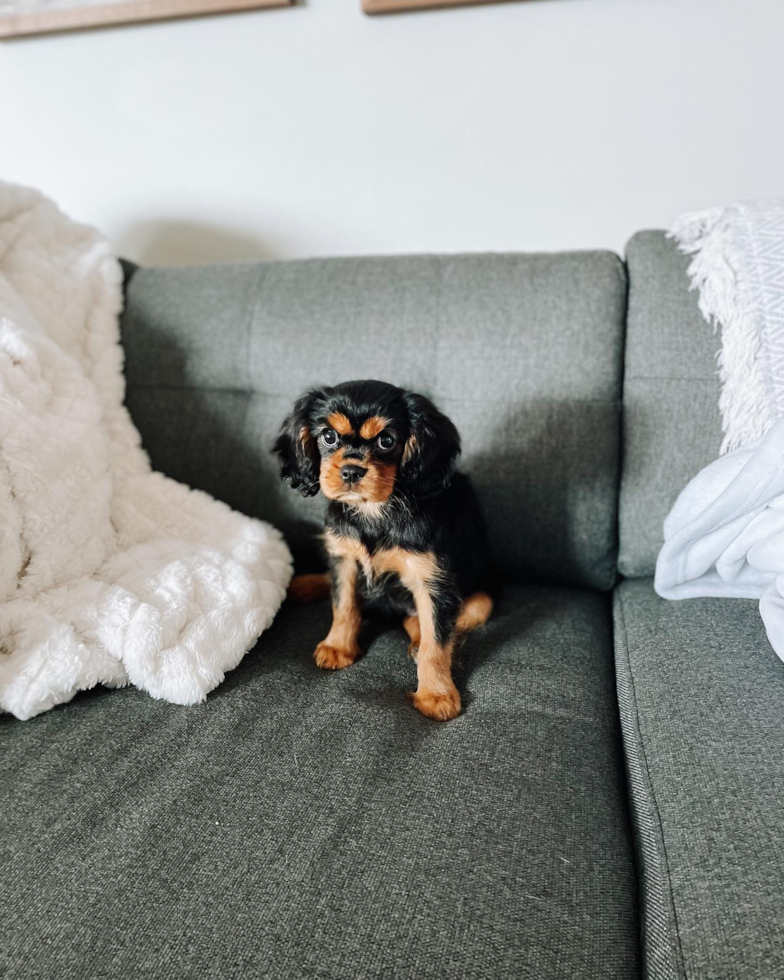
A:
404, 533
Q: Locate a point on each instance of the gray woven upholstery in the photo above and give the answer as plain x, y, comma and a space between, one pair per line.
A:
701, 693
671, 422
303, 824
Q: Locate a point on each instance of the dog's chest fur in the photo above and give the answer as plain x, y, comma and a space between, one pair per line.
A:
412, 567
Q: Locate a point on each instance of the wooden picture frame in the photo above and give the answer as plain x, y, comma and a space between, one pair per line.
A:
23, 17
401, 6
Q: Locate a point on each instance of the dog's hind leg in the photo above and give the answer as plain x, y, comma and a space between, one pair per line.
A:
474, 612
310, 588
412, 627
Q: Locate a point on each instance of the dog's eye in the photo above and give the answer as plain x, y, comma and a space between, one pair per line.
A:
385, 441
329, 437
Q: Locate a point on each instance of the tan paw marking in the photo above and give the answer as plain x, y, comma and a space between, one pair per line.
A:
333, 658
441, 706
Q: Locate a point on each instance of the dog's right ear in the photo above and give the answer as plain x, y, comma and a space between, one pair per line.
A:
299, 455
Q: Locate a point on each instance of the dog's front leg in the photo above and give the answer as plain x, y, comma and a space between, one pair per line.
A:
341, 647
436, 695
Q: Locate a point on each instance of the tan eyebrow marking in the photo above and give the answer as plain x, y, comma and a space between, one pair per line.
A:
372, 426
340, 423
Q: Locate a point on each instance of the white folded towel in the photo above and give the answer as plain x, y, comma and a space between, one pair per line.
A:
725, 535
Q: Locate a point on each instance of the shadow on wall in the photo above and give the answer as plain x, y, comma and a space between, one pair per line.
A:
188, 243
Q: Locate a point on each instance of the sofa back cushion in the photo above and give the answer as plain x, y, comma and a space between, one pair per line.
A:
671, 421
523, 352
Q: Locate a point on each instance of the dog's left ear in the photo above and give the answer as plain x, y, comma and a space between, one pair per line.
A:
299, 455
431, 450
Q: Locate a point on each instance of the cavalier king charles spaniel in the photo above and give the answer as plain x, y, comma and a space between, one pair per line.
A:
404, 534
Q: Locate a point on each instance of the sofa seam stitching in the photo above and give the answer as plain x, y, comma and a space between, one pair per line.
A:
668, 377
649, 780
620, 455
250, 390
248, 332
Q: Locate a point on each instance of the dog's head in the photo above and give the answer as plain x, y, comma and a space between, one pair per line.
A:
359, 441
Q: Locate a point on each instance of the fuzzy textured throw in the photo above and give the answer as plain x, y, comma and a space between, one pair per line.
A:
109, 573
738, 267
725, 534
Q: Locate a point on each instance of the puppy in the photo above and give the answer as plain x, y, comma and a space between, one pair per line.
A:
404, 533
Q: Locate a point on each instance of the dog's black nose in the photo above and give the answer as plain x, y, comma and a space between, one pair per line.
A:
352, 474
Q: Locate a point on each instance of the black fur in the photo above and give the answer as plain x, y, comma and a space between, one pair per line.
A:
299, 456
432, 508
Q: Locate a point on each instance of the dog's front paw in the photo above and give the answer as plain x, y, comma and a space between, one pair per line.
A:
438, 705
333, 658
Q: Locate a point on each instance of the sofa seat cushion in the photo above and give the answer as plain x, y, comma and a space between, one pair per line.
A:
306, 824
702, 706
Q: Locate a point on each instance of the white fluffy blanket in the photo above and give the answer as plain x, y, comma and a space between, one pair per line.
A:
725, 534
109, 573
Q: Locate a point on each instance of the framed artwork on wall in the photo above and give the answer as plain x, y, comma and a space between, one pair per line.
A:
20, 17
399, 6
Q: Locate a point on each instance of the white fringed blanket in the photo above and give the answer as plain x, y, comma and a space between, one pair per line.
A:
109, 573
725, 534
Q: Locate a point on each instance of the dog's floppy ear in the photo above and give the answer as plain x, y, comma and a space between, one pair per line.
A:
299, 455
432, 448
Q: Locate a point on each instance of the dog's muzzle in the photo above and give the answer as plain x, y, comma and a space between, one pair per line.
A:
351, 475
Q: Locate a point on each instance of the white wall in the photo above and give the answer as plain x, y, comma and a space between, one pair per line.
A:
316, 130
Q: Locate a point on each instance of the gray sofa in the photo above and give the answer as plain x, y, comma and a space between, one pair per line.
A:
608, 805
